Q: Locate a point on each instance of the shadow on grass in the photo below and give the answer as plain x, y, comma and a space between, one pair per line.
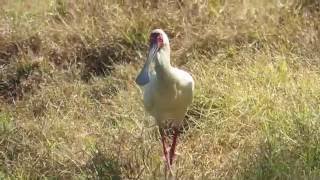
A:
10, 50
100, 61
103, 167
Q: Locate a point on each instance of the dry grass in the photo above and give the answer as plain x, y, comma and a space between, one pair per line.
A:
69, 107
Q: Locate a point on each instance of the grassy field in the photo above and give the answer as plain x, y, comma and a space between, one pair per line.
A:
69, 107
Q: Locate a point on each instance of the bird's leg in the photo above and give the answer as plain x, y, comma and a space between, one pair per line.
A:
164, 145
174, 144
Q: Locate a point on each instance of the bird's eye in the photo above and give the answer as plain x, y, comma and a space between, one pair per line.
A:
156, 38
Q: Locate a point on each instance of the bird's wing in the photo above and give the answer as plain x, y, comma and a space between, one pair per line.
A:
184, 78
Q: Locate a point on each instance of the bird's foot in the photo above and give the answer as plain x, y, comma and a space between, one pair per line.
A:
165, 158
173, 157
167, 163
166, 155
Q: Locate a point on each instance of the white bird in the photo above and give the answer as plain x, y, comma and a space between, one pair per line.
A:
168, 91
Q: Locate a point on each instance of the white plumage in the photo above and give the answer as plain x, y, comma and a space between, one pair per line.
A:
168, 91
167, 100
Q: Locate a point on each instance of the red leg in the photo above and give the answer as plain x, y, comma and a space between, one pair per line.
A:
174, 144
164, 145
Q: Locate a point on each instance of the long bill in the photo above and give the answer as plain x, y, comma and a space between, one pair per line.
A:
144, 76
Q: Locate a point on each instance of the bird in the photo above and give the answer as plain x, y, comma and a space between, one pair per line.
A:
167, 91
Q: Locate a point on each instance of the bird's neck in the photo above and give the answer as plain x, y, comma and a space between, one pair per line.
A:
163, 67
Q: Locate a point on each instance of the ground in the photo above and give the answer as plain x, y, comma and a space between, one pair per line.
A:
69, 107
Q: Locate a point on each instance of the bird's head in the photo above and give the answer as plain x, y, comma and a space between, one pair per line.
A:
158, 41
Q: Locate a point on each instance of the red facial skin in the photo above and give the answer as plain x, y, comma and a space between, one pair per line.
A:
160, 41
157, 38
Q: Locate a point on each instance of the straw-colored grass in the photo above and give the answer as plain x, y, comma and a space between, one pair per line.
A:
69, 107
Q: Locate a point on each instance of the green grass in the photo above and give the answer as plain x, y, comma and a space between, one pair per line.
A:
69, 107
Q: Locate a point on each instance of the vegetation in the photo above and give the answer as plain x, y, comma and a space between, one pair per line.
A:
69, 107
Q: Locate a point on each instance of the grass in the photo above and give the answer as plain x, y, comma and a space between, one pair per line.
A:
69, 107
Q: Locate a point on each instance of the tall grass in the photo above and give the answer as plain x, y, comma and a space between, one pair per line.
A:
69, 107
